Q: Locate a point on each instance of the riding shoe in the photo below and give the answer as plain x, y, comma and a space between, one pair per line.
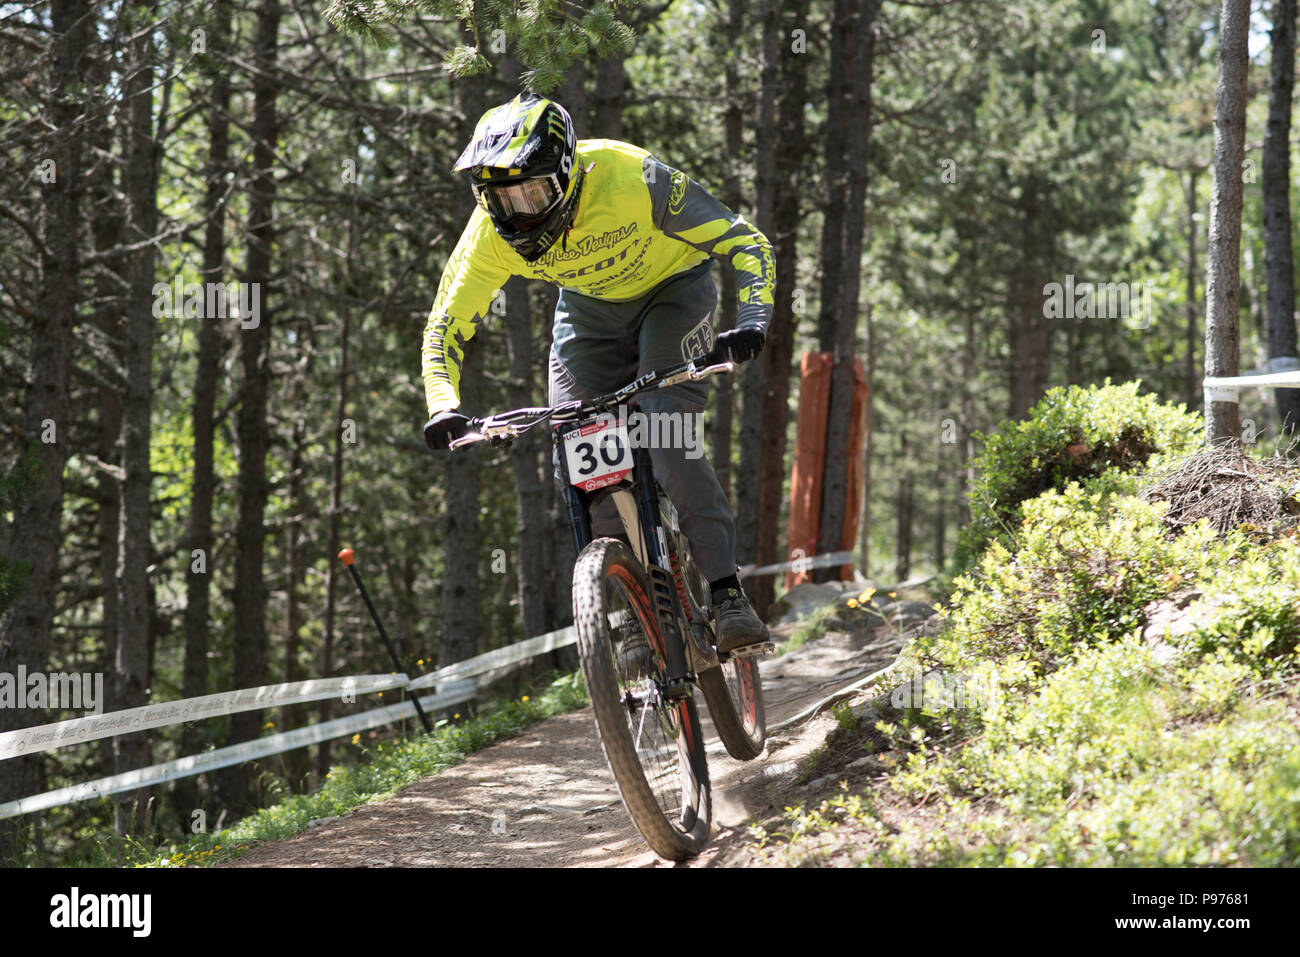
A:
737, 624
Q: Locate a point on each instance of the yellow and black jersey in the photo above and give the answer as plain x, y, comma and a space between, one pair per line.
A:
638, 223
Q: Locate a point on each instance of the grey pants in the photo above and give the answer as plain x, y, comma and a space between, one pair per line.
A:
599, 346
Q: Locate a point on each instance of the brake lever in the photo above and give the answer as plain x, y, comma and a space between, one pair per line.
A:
469, 438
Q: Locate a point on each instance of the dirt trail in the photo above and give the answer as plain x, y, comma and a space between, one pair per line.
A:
546, 798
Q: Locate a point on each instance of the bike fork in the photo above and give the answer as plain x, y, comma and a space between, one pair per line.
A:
663, 587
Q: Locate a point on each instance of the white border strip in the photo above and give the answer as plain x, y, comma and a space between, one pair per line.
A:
61, 734
509, 655
828, 560
1228, 388
225, 757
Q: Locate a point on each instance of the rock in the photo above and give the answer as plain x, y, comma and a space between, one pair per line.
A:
322, 821
548, 809
802, 600
906, 614
818, 783
869, 763
1171, 619
777, 770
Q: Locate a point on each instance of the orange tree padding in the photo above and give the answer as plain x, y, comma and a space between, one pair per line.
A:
810, 461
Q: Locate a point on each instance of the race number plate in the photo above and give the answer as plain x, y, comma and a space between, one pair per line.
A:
598, 453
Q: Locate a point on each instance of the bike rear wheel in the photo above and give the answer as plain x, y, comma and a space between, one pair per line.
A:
654, 747
734, 693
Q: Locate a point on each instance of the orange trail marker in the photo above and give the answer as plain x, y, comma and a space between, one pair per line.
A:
348, 557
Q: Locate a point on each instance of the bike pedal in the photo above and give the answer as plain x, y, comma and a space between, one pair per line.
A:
756, 650
678, 689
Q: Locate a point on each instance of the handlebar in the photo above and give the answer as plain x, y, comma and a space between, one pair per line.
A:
508, 425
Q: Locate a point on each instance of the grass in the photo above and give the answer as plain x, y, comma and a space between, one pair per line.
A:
390, 766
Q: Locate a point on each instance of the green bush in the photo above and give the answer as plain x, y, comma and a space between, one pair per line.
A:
1083, 572
1096, 436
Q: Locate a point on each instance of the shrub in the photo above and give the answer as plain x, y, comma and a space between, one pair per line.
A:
1096, 436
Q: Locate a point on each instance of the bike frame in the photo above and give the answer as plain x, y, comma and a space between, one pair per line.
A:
637, 501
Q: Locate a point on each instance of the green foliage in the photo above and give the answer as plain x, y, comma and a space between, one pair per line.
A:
1072, 434
1250, 609
1097, 740
548, 36
1082, 571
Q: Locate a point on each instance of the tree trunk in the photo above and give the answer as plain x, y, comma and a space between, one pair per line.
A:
1277, 212
1222, 291
211, 350
724, 405
134, 550
333, 567
35, 533
940, 510
110, 289
250, 594
529, 459
611, 81
903, 512
461, 532
967, 432
836, 494
296, 763
864, 527
752, 540
778, 210
839, 91
1192, 379
1028, 377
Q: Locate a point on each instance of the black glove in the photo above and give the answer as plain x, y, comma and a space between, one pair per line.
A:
443, 427
738, 345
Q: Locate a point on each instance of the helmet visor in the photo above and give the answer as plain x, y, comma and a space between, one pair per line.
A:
521, 201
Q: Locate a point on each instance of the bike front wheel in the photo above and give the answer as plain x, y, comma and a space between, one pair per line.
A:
654, 746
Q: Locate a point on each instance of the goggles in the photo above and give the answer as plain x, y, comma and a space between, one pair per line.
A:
522, 201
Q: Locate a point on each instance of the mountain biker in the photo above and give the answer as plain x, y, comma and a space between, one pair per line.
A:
628, 240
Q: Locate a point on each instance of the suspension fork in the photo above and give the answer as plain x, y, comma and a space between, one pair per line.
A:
659, 572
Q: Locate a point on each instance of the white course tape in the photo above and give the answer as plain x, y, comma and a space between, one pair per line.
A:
225, 757
489, 661
61, 734
1221, 393
1257, 380
828, 560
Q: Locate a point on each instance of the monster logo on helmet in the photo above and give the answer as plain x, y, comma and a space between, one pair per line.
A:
521, 165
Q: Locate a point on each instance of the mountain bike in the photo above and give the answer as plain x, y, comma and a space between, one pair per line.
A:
644, 591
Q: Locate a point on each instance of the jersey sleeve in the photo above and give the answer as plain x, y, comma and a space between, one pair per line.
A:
686, 211
471, 278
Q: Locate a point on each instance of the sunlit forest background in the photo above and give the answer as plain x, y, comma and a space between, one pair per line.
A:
925, 171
